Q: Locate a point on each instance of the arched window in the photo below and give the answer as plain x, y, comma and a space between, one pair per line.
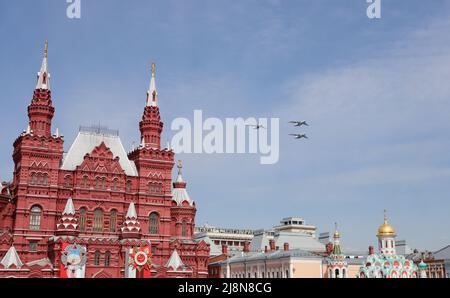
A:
85, 182
44, 179
184, 232
38, 179
35, 218
128, 188
103, 183
107, 258
287, 273
33, 179
153, 223
67, 181
344, 273
97, 183
98, 220
150, 188
113, 221
97, 258
115, 182
336, 273
82, 219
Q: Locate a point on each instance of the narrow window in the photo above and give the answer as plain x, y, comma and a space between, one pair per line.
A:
35, 218
113, 221
97, 258
98, 220
128, 186
107, 258
115, 182
184, 229
153, 223
82, 219
85, 182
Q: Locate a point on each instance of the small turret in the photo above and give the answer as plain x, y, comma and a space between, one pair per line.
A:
131, 228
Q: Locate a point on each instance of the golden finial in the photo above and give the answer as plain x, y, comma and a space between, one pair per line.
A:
45, 49
153, 69
385, 216
336, 232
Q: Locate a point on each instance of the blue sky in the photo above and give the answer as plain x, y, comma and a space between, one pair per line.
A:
376, 93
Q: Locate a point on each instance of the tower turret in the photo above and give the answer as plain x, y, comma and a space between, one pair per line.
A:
337, 265
131, 227
68, 223
41, 111
151, 126
386, 237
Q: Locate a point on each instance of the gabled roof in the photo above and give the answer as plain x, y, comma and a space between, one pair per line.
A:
86, 141
11, 258
175, 261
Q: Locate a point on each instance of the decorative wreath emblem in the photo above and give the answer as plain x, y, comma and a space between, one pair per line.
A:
140, 258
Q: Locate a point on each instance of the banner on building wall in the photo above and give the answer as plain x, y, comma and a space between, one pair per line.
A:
73, 261
138, 262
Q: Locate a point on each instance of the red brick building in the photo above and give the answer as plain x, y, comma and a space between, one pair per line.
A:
96, 196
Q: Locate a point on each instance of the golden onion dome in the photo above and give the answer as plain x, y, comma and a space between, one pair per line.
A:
336, 232
386, 229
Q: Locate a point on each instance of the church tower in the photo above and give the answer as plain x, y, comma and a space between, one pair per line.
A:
37, 156
151, 125
337, 265
386, 237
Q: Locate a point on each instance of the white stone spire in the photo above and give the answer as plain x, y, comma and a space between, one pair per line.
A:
180, 167
28, 131
43, 79
70, 208
143, 142
131, 213
57, 133
11, 258
179, 192
152, 94
175, 261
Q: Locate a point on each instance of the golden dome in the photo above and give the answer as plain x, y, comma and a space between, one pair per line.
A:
386, 229
336, 232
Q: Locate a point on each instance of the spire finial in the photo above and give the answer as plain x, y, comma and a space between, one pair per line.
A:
46, 49
179, 166
336, 232
385, 216
153, 69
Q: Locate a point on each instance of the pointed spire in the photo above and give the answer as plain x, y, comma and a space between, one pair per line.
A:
57, 133
175, 261
152, 94
131, 227
179, 193
70, 208
131, 214
385, 217
11, 258
28, 131
180, 167
68, 223
336, 244
43, 81
143, 142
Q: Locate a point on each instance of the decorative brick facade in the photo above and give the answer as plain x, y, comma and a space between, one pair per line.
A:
100, 184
